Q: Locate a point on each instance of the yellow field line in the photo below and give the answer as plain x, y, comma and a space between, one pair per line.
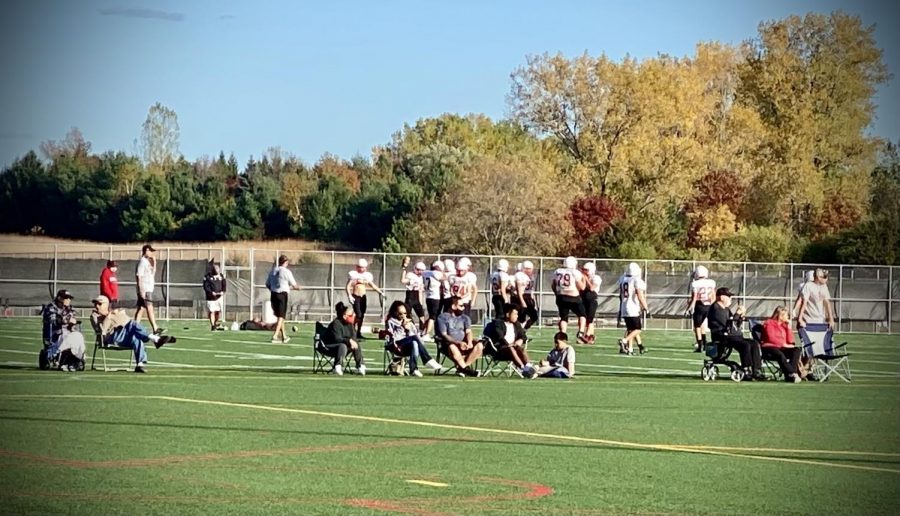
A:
558, 437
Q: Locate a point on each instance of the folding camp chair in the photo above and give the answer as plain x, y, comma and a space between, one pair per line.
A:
818, 344
322, 362
772, 368
491, 364
103, 348
443, 357
390, 360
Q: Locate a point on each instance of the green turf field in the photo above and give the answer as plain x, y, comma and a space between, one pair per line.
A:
228, 423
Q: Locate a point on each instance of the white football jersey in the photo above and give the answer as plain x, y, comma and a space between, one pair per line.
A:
497, 280
459, 286
526, 281
595, 282
705, 290
414, 281
629, 304
567, 282
432, 280
360, 277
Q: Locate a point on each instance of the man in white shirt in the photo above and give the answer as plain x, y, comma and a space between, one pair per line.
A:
144, 278
567, 284
632, 303
433, 281
358, 281
464, 285
524, 298
414, 281
815, 301
280, 282
702, 296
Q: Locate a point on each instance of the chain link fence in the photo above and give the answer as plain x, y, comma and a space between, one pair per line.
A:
866, 298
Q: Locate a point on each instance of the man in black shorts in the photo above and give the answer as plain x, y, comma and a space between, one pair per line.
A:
280, 282
568, 284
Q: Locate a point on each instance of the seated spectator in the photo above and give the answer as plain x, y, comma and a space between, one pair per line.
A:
778, 344
340, 338
453, 331
117, 328
405, 340
560, 362
63, 342
725, 327
508, 337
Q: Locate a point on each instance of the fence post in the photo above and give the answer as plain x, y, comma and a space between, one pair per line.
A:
841, 298
489, 307
331, 301
55, 270
383, 285
168, 275
252, 280
540, 293
890, 310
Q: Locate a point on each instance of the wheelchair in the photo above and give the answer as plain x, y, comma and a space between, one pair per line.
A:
717, 354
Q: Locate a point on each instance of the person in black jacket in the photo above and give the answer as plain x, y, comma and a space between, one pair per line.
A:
725, 327
214, 286
340, 337
508, 337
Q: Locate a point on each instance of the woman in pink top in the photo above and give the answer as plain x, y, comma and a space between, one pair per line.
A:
778, 344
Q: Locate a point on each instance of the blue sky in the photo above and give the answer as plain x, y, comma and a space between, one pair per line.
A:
339, 77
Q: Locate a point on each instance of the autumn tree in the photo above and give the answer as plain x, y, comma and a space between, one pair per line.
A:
160, 135
812, 80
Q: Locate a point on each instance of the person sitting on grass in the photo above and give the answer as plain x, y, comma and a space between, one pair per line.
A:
778, 344
560, 362
509, 337
405, 340
453, 332
340, 337
117, 328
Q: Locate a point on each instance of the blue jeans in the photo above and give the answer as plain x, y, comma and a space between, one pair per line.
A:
413, 348
133, 336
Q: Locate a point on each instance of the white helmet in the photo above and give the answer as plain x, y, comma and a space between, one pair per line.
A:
590, 267
810, 275
570, 262
519, 267
420, 266
527, 265
449, 266
362, 263
437, 265
503, 265
463, 264
701, 272
633, 270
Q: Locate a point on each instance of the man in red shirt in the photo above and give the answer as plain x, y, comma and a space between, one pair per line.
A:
109, 284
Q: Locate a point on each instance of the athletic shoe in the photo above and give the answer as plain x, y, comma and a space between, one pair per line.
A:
623, 347
473, 373
159, 331
591, 339
460, 372
286, 340
811, 378
528, 372
162, 341
426, 338
417, 373
581, 338
433, 364
641, 349
338, 370
697, 348
361, 370
276, 341
139, 369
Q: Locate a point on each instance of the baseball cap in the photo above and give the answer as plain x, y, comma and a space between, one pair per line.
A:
146, 247
64, 294
111, 263
103, 300
724, 291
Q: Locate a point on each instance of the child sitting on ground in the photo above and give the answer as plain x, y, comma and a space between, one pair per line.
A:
560, 362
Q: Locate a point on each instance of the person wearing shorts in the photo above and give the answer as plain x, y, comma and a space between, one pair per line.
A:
568, 284
280, 282
214, 286
144, 277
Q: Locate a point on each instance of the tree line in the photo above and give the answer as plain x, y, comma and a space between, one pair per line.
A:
752, 152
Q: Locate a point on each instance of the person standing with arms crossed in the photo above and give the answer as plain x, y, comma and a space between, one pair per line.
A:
358, 281
144, 276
